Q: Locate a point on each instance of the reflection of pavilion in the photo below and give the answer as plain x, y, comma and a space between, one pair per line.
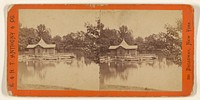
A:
115, 69
38, 66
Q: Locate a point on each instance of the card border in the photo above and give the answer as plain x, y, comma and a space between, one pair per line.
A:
187, 49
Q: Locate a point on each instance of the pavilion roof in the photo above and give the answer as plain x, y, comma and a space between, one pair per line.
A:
42, 44
124, 45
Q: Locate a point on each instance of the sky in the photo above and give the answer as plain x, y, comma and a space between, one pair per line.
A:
61, 22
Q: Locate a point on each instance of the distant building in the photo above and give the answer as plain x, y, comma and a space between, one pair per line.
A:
41, 48
123, 49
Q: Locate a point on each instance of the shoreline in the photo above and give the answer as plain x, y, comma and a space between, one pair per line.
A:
101, 88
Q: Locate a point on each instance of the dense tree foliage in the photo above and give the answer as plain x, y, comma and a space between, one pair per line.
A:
27, 36
44, 33
97, 39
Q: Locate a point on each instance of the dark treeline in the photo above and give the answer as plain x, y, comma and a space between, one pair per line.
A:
96, 40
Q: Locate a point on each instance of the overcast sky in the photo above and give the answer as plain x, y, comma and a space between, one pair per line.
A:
62, 22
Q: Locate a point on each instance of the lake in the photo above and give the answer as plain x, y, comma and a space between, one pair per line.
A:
83, 74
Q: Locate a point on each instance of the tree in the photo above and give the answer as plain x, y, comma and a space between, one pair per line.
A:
57, 39
151, 42
100, 25
44, 33
26, 36
67, 41
139, 40
126, 34
174, 41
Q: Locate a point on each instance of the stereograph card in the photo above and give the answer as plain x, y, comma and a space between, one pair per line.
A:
100, 50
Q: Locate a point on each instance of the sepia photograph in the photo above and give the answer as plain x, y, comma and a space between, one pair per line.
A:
100, 50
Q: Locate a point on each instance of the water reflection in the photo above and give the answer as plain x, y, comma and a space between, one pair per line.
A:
157, 74
83, 74
115, 69
59, 75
